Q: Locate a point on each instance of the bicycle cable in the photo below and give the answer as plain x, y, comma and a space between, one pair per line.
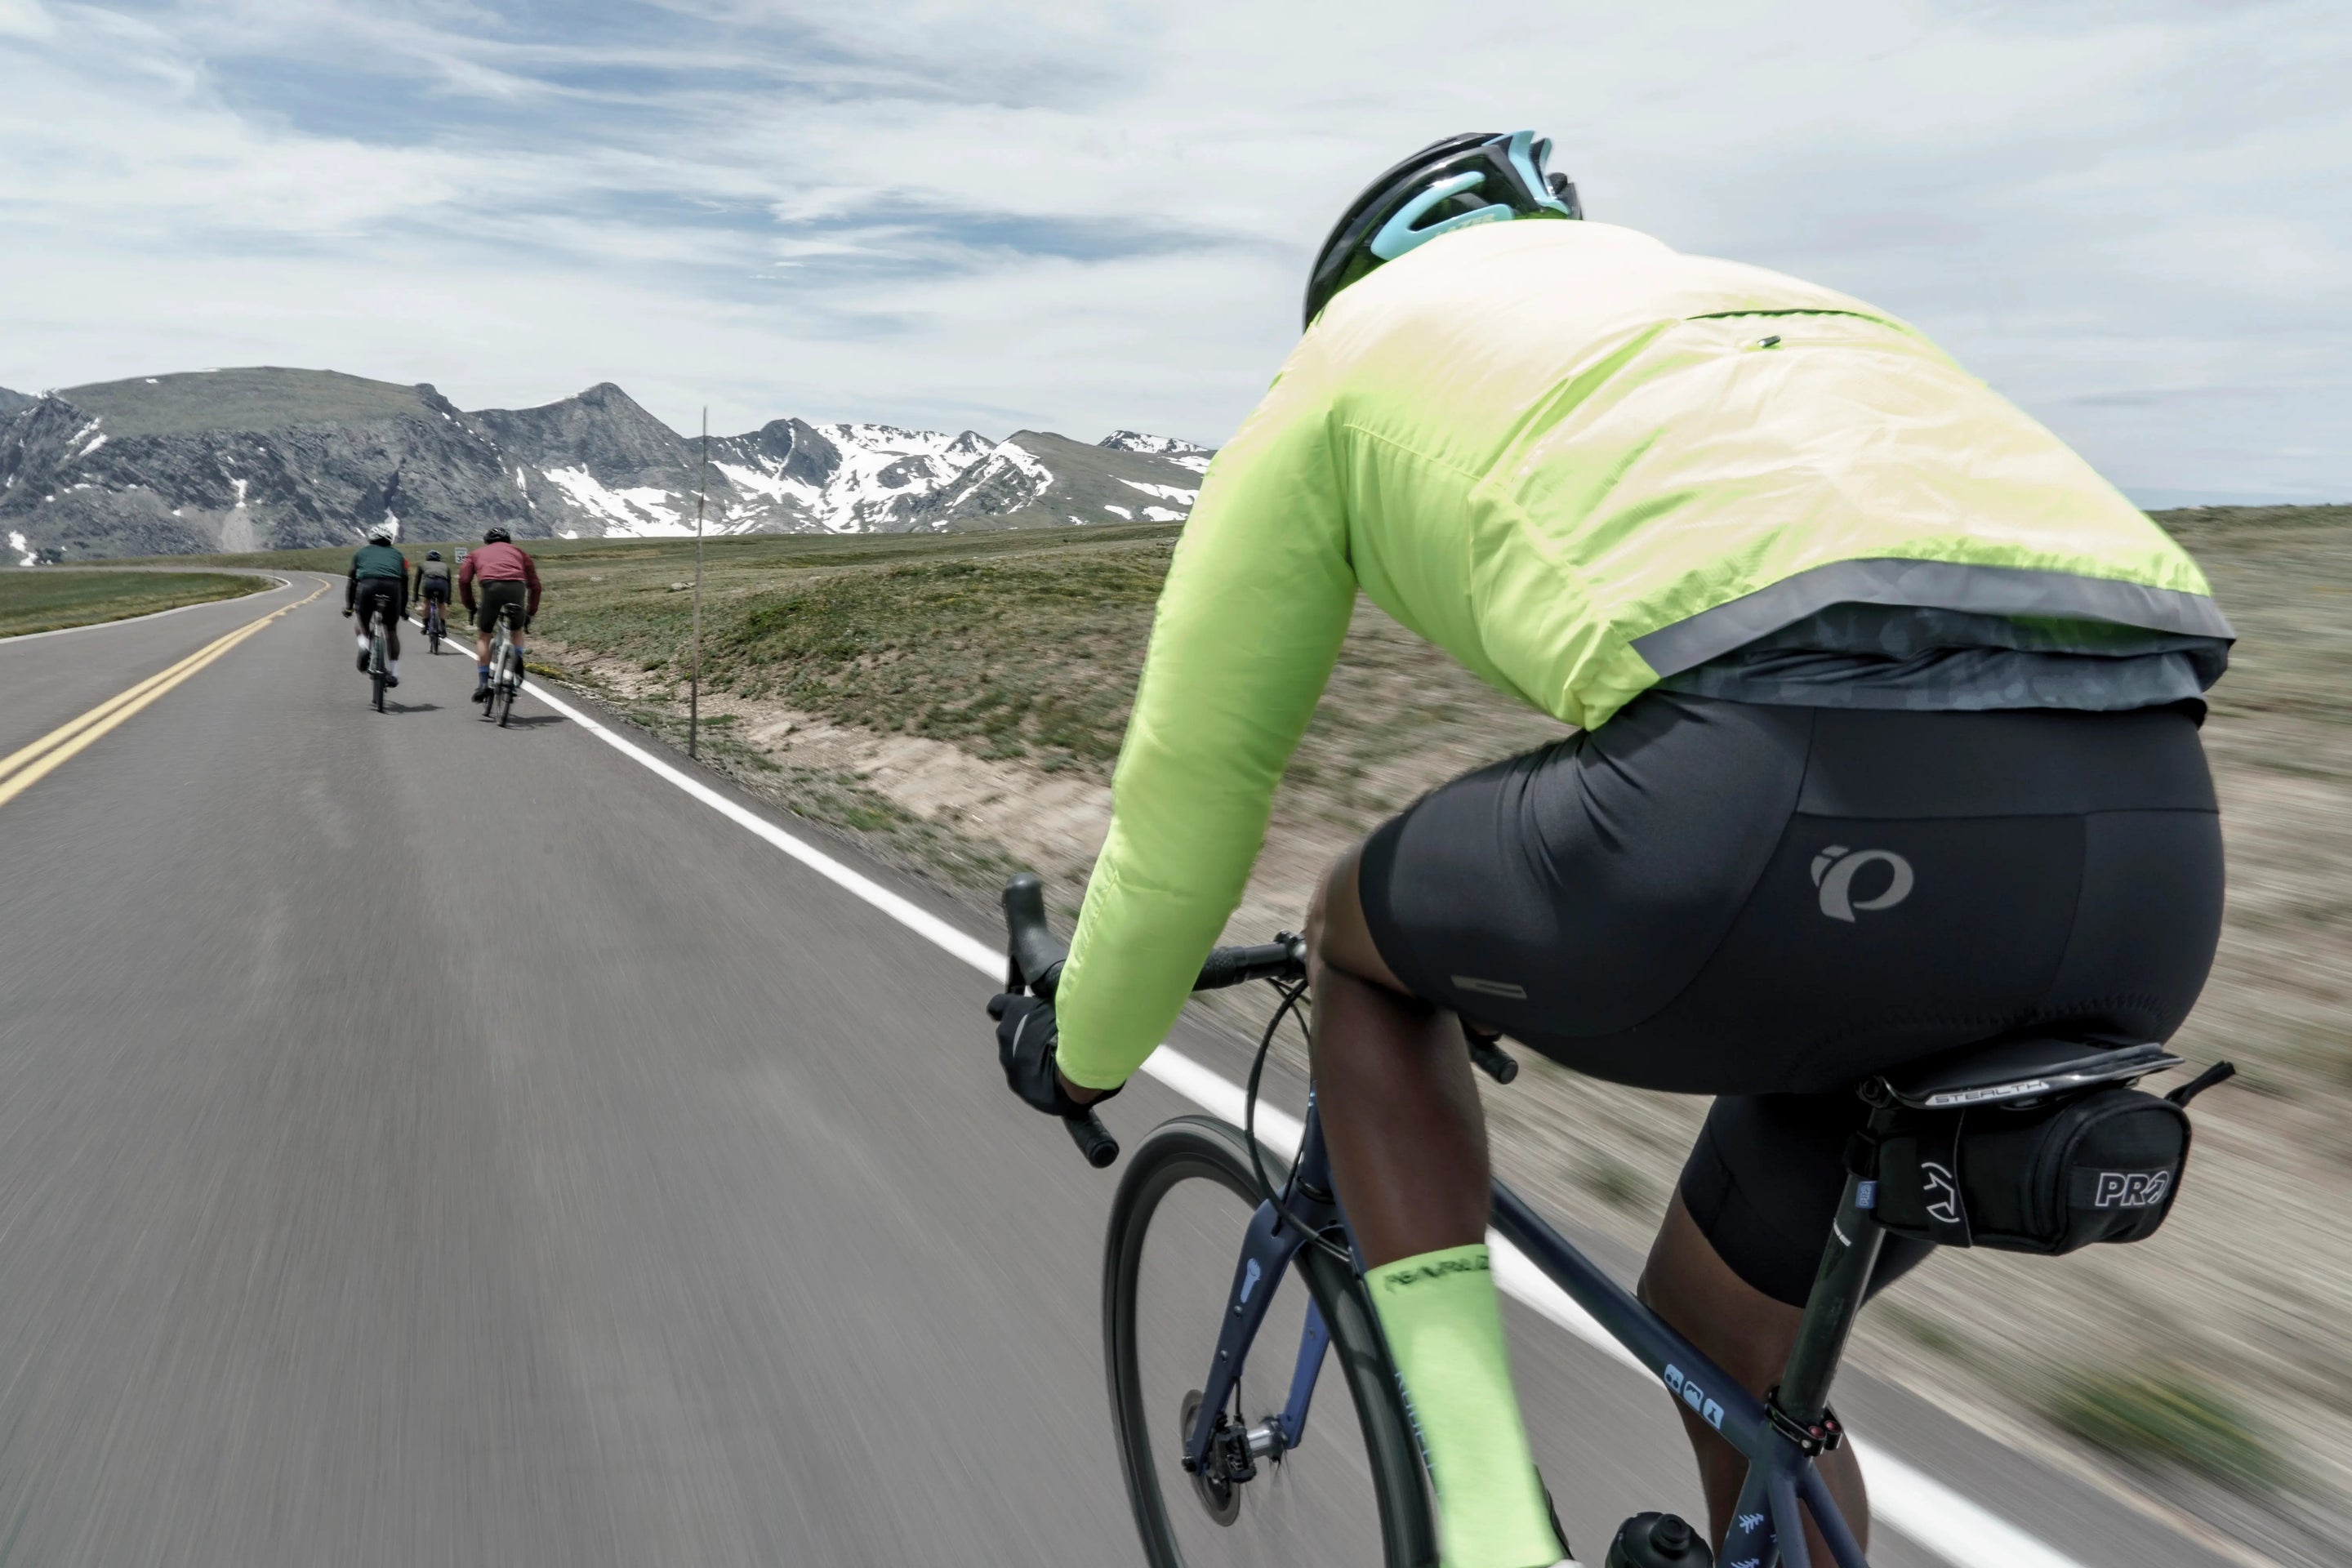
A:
1267, 1193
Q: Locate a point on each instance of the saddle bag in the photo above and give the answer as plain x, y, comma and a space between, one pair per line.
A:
2045, 1177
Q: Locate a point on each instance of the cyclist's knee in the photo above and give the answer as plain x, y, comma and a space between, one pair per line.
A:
1338, 937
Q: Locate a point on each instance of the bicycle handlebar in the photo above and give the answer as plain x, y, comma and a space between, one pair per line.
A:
1035, 958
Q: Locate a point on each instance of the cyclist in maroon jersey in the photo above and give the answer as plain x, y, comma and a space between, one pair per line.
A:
507, 577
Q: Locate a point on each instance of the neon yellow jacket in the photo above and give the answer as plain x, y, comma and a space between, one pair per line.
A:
1577, 461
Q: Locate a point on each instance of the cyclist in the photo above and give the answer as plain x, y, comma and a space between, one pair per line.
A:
432, 584
1886, 710
507, 576
378, 581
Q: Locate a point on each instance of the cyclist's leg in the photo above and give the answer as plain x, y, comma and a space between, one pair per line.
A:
1408, 1152
1391, 1076
1511, 883
1761, 1186
485, 629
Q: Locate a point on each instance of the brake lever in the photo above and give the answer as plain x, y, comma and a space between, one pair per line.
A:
1086, 1128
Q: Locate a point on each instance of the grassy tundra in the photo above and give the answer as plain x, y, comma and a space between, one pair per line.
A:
47, 598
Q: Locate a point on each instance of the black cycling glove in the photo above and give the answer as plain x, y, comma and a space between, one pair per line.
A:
1025, 1037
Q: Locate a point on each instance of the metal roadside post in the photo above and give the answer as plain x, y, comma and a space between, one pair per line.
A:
693, 677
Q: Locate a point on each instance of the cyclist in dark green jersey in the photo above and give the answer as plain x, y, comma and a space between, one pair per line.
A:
378, 581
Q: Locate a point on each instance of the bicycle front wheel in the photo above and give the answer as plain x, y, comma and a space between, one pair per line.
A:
1351, 1492
510, 680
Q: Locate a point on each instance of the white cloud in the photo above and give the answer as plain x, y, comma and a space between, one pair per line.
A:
1086, 215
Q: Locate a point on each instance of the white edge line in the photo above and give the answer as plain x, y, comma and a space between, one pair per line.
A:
152, 615
1960, 1531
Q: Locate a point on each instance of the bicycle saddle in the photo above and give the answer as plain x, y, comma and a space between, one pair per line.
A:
1999, 1072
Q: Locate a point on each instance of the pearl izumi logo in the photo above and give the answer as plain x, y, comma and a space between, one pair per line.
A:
1837, 868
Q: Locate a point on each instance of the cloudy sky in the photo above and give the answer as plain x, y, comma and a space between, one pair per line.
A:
1076, 215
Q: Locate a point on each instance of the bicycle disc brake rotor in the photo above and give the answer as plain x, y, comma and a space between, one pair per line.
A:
1219, 1493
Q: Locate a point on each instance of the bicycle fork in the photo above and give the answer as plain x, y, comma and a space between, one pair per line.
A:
1271, 1247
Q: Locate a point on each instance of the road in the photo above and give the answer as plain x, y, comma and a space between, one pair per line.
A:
425, 1144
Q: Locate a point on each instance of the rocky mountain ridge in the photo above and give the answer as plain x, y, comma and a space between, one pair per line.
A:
271, 458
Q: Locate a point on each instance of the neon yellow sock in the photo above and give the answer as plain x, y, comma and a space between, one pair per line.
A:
1444, 1327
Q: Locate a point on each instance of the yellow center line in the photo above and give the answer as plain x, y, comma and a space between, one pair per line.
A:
21, 770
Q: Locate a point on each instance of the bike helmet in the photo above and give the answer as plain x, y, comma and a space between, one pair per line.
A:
380, 534
1479, 176
497, 536
433, 555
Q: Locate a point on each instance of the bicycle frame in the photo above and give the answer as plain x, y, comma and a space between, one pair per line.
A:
509, 618
1780, 1439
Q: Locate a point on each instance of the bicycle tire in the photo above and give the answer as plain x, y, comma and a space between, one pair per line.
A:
376, 666
509, 680
1193, 1148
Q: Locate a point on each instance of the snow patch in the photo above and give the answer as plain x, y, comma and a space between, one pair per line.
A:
1162, 514
1008, 457
1165, 492
1119, 511
17, 543
640, 513
768, 481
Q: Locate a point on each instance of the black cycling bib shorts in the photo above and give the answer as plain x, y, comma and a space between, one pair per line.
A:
1769, 904
490, 598
388, 594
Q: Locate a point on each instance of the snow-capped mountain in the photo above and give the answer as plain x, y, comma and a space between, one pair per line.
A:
251, 459
843, 479
1183, 453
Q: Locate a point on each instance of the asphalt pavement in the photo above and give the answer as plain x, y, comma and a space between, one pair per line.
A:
427, 1143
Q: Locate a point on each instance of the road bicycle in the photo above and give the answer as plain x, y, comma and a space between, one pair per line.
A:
436, 624
379, 660
1216, 1457
506, 670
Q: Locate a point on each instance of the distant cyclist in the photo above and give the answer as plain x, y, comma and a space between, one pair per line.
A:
378, 581
1887, 709
431, 586
507, 577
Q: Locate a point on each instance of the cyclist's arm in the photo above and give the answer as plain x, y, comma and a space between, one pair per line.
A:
531, 575
352, 584
1249, 624
466, 583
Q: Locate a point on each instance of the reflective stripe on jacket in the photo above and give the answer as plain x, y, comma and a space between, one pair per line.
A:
1577, 461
